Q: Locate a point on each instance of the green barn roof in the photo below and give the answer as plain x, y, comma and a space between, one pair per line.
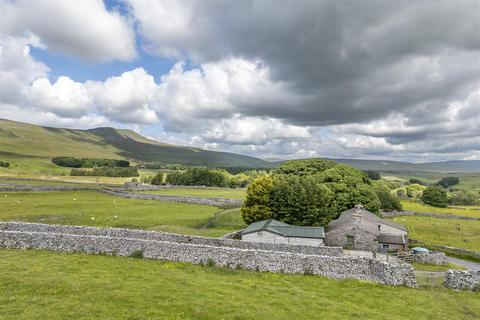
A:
285, 229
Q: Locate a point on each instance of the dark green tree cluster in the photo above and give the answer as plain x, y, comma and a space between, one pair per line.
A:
417, 181
448, 181
106, 172
372, 175
308, 192
4, 164
435, 196
199, 177
72, 162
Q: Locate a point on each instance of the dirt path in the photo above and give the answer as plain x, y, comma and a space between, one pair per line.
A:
465, 263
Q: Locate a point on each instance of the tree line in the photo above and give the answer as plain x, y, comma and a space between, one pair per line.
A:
72, 162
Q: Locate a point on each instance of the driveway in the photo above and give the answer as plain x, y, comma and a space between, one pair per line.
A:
467, 264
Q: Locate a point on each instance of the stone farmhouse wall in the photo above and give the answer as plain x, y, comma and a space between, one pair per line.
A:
427, 214
362, 240
218, 202
169, 237
463, 280
260, 260
434, 257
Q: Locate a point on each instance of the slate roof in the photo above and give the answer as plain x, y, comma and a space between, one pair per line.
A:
285, 229
393, 224
368, 221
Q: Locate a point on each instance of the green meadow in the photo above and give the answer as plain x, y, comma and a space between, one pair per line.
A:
51, 285
468, 211
92, 208
464, 234
201, 192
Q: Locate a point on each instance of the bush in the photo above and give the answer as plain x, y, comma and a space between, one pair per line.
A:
389, 201
106, 172
435, 196
4, 164
312, 199
138, 254
467, 198
448, 181
304, 167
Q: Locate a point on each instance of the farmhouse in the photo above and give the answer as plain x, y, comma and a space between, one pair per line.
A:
273, 231
360, 229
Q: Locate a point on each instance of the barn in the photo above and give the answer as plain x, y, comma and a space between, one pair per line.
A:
273, 231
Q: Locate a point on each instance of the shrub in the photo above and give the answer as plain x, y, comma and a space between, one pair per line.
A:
435, 196
448, 181
461, 197
138, 254
304, 167
4, 164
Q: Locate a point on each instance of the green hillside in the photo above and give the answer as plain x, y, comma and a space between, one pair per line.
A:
21, 140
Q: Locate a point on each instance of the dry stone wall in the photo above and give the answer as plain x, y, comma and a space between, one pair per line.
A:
433, 257
20, 188
169, 237
217, 202
427, 214
260, 260
463, 280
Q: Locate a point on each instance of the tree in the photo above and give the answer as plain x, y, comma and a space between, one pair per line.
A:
372, 175
417, 181
435, 196
308, 199
304, 167
448, 181
389, 201
257, 204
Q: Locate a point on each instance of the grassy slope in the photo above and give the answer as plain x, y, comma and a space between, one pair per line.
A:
200, 192
456, 233
25, 142
79, 207
470, 211
50, 285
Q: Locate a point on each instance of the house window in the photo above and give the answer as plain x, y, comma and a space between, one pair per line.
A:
350, 242
379, 227
385, 246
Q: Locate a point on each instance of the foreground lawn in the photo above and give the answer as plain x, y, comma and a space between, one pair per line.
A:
202, 192
455, 233
460, 211
91, 208
50, 285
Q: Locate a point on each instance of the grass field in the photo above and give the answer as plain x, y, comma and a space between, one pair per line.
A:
51, 285
91, 208
470, 211
468, 181
456, 233
202, 192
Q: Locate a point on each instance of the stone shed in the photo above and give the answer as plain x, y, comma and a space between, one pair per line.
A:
273, 231
359, 229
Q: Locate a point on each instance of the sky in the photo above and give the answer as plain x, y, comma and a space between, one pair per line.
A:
391, 80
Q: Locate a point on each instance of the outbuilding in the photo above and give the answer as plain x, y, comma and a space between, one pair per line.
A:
273, 231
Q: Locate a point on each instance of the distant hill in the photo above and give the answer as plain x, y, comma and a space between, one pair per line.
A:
24, 140
19, 139
405, 167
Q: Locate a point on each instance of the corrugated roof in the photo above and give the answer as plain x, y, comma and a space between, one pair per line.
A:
285, 229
